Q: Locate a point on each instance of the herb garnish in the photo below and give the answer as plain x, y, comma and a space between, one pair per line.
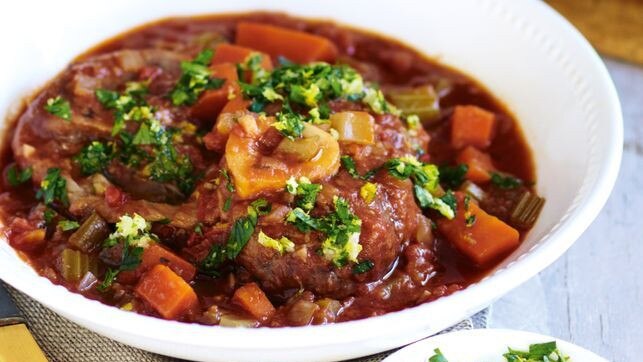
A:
453, 176
66, 225
305, 192
133, 233
363, 267
94, 157
349, 164
242, 230
16, 177
505, 181
341, 227
59, 107
438, 356
196, 78
53, 188
425, 179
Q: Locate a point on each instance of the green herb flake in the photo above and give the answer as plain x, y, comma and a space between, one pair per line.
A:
363, 267
242, 230
59, 107
195, 79
66, 225
17, 177
53, 188
305, 192
505, 181
453, 176
94, 158
198, 229
437, 356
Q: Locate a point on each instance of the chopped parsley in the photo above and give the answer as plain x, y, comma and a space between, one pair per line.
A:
438, 356
94, 158
281, 245
305, 192
349, 164
152, 145
133, 233
242, 230
66, 225
425, 179
198, 229
363, 267
53, 188
17, 177
453, 176
195, 78
59, 107
308, 87
505, 181
341, 227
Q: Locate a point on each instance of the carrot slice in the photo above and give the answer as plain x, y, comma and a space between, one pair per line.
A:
296, 46
479, 163
156, 254
212, 101
480, 236
230, 53
166, 292
254, 301
471, 126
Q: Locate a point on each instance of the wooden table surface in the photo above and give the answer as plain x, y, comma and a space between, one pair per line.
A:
593, 295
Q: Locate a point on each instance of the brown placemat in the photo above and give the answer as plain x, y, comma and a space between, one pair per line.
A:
65, 341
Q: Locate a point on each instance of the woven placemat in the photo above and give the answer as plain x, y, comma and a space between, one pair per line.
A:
65, 341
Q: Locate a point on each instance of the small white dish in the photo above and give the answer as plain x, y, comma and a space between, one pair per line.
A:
486, 345
521, 50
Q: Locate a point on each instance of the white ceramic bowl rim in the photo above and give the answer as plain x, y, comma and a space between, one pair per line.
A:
127, 327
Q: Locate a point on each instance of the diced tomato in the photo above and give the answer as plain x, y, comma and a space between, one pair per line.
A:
296, 46
167, 292
481, 237
472, 126
479, 163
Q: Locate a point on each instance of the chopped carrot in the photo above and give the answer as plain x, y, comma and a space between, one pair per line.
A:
230, 53
471, 126
156, 254
296, 46
254, 301
212, 101
480, 236
479, 163
167, 292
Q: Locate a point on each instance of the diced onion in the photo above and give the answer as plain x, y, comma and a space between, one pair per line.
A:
236, 321
353, 126
301, 313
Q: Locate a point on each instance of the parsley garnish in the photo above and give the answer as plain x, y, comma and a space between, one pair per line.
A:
349, 164
59, 107
133, 233
196, 78
66, 225
505, 181
305, 192
242, 230
363, 267
94, 158
438, 356
425, 179
16, 177
541, 352
53, 188
341, 227
453, 176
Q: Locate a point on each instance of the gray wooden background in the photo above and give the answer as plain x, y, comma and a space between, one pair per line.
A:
593, 295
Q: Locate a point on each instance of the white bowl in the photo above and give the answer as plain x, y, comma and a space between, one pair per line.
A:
485, 345
524, 52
